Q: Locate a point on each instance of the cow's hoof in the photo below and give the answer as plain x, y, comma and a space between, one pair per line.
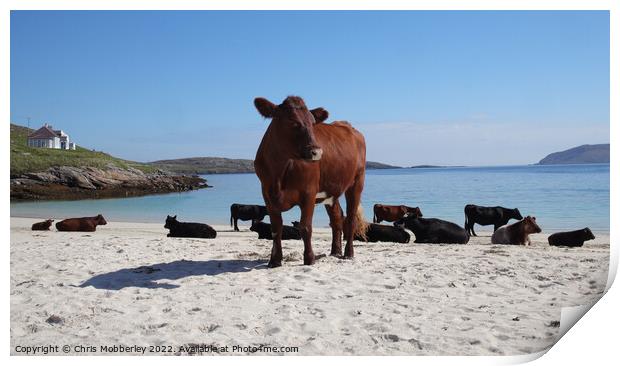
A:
308, 261
347, 257
336, 253
274, 264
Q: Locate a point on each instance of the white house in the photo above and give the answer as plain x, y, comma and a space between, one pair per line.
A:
49, 138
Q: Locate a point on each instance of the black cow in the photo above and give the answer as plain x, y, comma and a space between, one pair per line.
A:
264, 231
387, 233
188, 229
246, 212
496, 216
434, 230
43, 225
571, 238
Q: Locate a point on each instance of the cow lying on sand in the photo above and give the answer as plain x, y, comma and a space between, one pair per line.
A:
43, 225
376, 233
517, 233
81, 223
571, 238
393, 213
245, 213
188, 229
496, 216
264, 231
434, 231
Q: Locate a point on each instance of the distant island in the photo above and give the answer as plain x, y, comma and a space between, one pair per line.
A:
374, 165
436, 166
205, 165
215, 165
584, 154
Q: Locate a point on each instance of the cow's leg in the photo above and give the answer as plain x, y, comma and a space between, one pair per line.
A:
276, 249
305, 227
353, 196
235, 221
495, 227
471, 225
335, 221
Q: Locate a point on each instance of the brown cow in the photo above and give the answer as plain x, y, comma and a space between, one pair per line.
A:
393, 213
81, 223
302, 161
43, 225
517, 233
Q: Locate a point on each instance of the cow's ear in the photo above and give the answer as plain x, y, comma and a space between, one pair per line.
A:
320, 114
264, 107
174, 217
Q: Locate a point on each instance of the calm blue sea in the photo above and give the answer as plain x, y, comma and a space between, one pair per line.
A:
560, 196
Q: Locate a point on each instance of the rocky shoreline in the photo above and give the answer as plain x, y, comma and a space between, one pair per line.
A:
70, 183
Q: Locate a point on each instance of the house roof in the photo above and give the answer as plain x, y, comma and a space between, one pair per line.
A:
43, 133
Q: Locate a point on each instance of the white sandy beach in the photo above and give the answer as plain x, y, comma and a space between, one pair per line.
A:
128, 284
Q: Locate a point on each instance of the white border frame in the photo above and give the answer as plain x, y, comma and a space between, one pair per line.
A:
592, 339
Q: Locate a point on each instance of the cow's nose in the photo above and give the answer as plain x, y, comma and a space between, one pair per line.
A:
316, 153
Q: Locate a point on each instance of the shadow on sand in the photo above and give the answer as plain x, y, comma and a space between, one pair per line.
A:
146, 276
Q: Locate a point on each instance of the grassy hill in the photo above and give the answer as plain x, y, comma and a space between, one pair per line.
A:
25, 159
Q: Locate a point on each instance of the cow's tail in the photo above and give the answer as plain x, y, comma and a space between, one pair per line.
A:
374, 216
361, 226
231, 218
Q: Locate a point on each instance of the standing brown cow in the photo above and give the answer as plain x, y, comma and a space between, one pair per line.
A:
393, 213
81, 223
302, 161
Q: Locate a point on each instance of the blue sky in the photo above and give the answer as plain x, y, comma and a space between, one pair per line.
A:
442, 87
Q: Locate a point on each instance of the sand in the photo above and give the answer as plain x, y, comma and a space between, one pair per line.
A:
128, 284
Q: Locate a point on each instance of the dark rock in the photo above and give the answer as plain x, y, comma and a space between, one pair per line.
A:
89, 182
